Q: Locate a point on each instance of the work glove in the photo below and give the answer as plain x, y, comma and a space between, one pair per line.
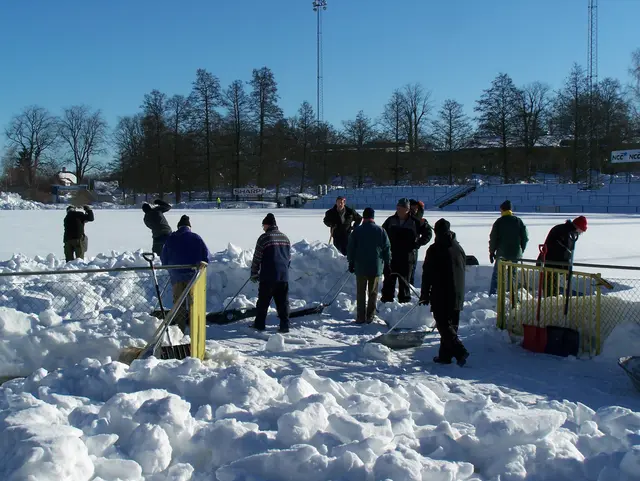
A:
255, 278
352, 268
492, 257
424, 301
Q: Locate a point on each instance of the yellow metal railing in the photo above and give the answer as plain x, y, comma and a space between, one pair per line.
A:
519, 294
198, 313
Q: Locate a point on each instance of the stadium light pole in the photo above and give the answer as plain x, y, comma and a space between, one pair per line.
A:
318, 7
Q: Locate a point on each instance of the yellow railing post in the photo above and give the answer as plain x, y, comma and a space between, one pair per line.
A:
198, 314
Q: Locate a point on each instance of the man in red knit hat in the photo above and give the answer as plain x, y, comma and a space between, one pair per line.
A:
560, 244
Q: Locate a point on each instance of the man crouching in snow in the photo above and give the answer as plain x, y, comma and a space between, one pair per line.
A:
270, 266
443, 285
183, 247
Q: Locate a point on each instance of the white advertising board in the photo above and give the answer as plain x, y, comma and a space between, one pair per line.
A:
623, 156
247, 191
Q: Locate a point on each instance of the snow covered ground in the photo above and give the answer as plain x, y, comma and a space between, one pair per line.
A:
330, 407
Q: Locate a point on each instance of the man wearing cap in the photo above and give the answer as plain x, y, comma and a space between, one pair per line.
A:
155, 220
443, 277
341, 219
560, 244
270, 266
406, 235
183, 247
75, 240
508, 240
368, 252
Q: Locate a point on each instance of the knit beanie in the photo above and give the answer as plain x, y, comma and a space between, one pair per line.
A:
442, 227
269, 220
581, 223
404, 202
184, 221
506, 205
369, 213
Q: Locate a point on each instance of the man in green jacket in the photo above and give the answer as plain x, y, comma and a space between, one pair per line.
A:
508, 240
368, 251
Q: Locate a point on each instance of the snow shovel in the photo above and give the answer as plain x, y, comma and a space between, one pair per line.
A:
535, 336
319, 308
631, 365
564, 341
228, 316
416, 293
401, 340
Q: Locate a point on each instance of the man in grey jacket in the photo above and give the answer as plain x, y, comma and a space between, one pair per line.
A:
154, 219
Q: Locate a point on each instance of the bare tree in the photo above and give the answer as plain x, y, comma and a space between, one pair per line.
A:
497, 109
33, 132
128, 141
393, 125
302, 127
416, 110
179, 111
532, 113
155, 115
359, 132
84, 132
451, 131
264, 104
238, 106
325, 136
634, 71
205, 97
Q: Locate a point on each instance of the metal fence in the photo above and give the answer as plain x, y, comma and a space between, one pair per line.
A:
597, 303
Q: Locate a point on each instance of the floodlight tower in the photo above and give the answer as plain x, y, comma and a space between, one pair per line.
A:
592, 67
318, 7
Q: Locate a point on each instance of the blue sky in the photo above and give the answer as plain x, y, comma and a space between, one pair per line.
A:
108, 54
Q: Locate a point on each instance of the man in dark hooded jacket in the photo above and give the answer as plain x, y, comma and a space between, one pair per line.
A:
406, 235
154, 219
443, 287
341, 219
75, 240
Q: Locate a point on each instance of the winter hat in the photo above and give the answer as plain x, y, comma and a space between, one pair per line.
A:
369, 213
70, 208
421, 204
146, 207
413, 202
581, 223
404, 202
506, 205
442, 227
184, 221
269, 219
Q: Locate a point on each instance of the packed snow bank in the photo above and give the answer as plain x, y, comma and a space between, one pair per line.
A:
192, 420
11, 201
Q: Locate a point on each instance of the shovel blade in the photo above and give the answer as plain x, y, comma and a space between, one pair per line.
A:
401, 340
535, 338
230, 316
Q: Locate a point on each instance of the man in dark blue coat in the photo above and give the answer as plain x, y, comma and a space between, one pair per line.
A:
183, 247
270, 266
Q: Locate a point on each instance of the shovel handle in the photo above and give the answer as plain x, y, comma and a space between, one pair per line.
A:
149, 256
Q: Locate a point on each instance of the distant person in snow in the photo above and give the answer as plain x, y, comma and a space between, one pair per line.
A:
341, 219
154, 219
406, 234
508, 240
219, 202
183, 247
560, 245
443, 276
270, 267
417, 210
368, 252
76, 242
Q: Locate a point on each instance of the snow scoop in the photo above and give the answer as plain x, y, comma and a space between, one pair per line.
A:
323, 304
400, 340
564, 341
227, 316
416, 293
631, 365
535, 336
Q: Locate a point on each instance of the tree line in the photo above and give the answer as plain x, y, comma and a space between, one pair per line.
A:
214, 138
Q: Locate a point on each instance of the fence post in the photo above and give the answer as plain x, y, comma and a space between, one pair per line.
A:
198, 314
598, 332
501, 295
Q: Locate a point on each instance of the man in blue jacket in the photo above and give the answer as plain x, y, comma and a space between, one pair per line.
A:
368, 252
270, 266
183, 247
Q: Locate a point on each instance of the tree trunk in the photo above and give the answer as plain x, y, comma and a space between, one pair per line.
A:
304, 163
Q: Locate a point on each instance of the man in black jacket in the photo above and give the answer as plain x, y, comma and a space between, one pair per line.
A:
270, 266
443, 286
406, 235
154, 219
341, 219
75, 240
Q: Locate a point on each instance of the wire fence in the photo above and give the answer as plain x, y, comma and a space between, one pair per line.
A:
86, 294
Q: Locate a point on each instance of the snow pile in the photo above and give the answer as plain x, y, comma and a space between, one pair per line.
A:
623, 341
11, 201
192, 420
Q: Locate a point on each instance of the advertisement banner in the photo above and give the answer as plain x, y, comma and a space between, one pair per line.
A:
248, 191
623, 156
